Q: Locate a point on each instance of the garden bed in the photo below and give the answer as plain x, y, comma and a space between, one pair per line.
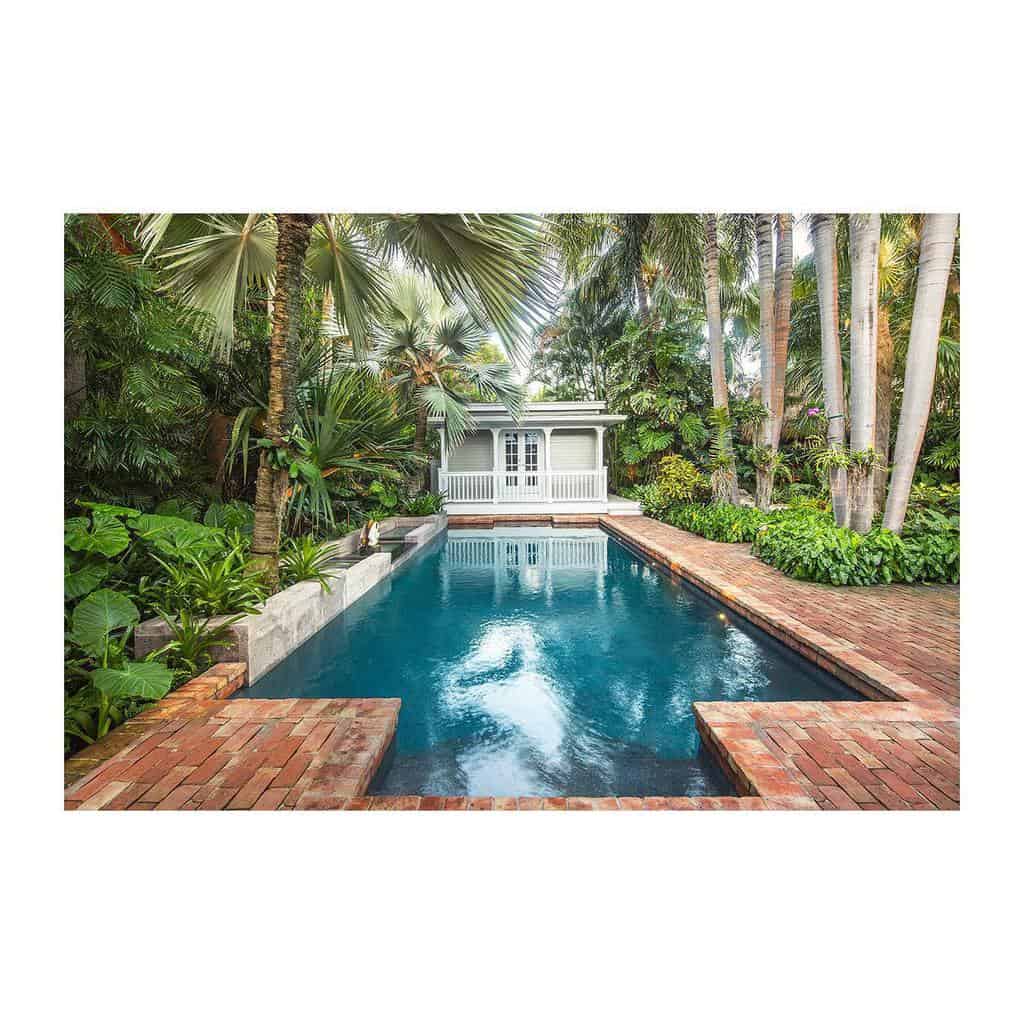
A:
289, 618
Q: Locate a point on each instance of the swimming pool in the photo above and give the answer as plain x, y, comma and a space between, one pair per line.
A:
537, 661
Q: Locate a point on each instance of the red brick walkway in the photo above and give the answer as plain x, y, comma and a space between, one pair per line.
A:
844, 756
195, 750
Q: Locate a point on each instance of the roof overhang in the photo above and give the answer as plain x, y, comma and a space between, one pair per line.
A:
540, 414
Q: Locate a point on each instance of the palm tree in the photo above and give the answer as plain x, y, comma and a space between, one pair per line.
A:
865, 236
494, 262
716, 350
766, 300
823, 236
783, 309
938, 239
426, 350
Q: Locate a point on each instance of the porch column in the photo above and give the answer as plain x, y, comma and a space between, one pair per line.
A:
442, 473
600, 489
547, 463
495, 439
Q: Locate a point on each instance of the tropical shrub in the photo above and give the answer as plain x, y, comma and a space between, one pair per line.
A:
208, 585
304, 559
102, 685
423, 505
719, 522
679, 479
813, 548
189, 652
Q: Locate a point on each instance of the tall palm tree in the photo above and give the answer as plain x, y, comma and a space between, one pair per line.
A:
766, 300
272, 478
823, 237
426, 349
495, 263
783, 309
716, 349
865, 236
938, 238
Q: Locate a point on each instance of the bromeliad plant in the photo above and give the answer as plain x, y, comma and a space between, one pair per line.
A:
304, 559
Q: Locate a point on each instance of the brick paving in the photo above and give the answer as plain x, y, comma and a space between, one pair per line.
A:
196, 750
900, 751
839, 756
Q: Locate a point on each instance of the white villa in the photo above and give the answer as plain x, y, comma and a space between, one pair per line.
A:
551, 461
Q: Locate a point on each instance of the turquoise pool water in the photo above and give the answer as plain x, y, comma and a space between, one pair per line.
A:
540, 661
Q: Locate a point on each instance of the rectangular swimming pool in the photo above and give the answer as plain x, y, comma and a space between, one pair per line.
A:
538, 661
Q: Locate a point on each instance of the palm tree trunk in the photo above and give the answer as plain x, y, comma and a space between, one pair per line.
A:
328, 327
766, 299
75, 382
117, 240
865, 236
783, 306
716, 346
419, 445
293, 234
823, 236
883, 404
642, 298
938, 238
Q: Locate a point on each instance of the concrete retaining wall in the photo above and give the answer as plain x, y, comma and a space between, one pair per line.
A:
290, 618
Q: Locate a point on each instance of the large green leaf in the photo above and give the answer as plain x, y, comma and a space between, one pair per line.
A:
104, 536
84, 580
98, 615
118, 511
146, 679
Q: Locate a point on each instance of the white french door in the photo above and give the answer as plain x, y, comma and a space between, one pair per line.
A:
522, 463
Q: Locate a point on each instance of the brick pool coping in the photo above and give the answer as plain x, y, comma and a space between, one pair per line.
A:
900, 751
197, 750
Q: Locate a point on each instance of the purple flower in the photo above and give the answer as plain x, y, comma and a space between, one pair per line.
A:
814, 411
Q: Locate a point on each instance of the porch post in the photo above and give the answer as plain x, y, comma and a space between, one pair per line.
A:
495, 436
547, 463
600, 487
442, 476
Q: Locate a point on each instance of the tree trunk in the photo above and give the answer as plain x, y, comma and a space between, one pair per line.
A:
823, 236
641, 295
419, 445
328, 328
865, 236
716, 347
783, 306
117, 240
74, 382
293, 234
883, 404
766, 299
938, 237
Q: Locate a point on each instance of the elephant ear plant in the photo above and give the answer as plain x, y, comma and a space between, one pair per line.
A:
101, 626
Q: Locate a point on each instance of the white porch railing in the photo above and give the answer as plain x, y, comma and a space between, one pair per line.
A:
551, 485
